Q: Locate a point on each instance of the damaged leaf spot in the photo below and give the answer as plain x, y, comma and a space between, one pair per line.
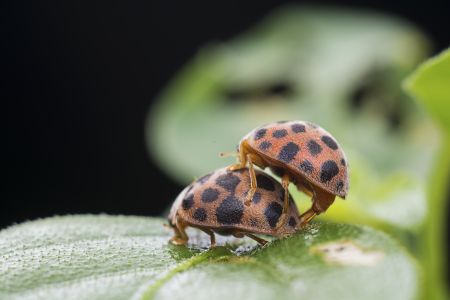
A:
348, 253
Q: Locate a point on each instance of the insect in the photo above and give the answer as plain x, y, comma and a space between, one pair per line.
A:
299, 152
214, 203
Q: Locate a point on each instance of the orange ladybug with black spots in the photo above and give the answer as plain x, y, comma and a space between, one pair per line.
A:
215, 204
299, 152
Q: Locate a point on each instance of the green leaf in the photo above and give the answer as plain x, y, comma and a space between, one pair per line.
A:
429, 84
338, 68
83, 257
107, 257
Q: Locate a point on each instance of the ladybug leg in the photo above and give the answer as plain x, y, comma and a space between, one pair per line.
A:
242, 161
226, 154
238, 234
284, 214
260, 241
253, 182
211, 236
306, 217
180, 237
321, 201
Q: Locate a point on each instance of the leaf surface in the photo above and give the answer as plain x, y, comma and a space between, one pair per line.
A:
115, 257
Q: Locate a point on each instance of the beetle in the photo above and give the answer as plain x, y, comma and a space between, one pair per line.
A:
299, 152
214, 203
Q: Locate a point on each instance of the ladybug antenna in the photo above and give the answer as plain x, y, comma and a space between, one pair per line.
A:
227, 154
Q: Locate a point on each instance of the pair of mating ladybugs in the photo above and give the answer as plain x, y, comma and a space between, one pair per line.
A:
242, 201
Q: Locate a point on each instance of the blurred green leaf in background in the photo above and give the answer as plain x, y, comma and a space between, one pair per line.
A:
430, 85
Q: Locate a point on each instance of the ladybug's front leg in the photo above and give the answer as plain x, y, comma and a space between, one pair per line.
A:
285, 212
180, 237
320, 202
260, 241
245, 157
242, 161
253, 182
211, 236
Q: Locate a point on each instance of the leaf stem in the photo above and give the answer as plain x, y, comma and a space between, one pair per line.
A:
433, 252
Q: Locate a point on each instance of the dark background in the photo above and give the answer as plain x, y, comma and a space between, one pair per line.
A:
78, 79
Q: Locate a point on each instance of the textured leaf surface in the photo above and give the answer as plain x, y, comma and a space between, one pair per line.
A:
83, 257
338, 68
106, 257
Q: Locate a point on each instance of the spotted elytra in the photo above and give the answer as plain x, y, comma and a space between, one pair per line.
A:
214, 203
299, 152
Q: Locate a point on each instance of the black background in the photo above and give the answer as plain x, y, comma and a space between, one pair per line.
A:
78, 79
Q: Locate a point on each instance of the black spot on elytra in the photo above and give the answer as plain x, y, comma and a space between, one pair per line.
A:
339, 186
298, 128
279, 133
329, 142
256, 198
260, 133
188, 202
343, 162
288, 152
306, 166
265, 182
314, 148
265, 145
328, 171
228, 181
230, 211
292, 222
205, 178
277, 171
200, 214
210, 195
273, 213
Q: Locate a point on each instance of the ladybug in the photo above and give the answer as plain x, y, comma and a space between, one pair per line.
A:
299, 152
214, 203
